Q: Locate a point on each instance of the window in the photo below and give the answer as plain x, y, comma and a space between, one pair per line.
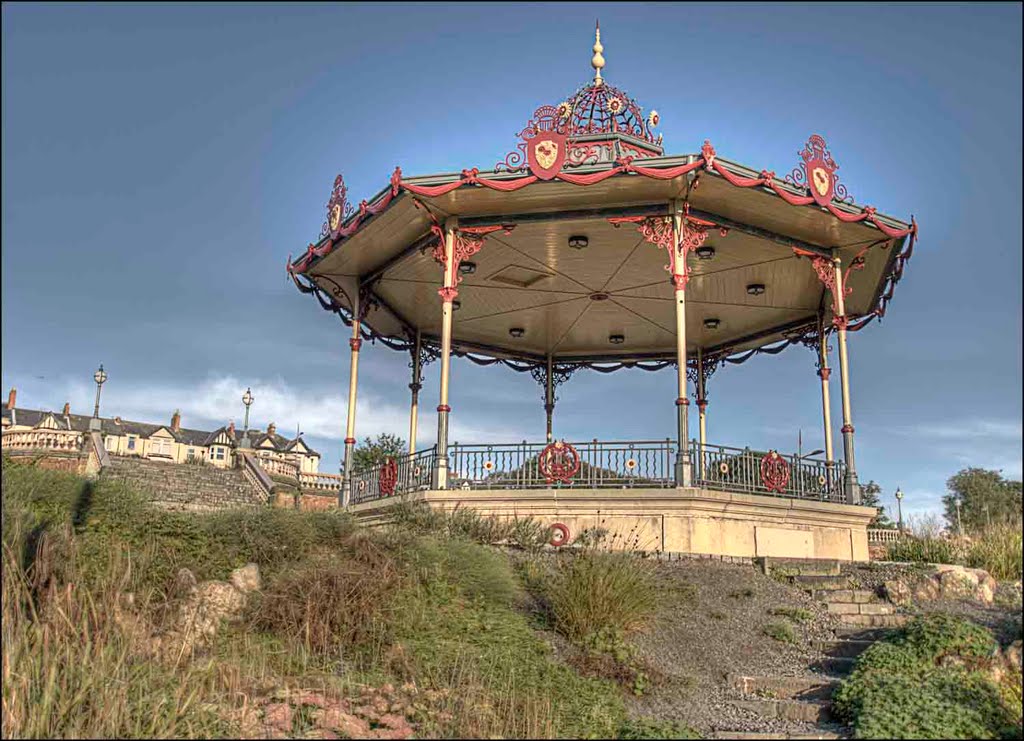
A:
161, 446
131, 442
110, 442
217, 453
191, 452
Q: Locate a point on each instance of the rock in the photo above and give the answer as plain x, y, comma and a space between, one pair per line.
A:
348, 725
278, 715
247, 578
309, 698
1012, 655
184, 582
199, 618
926, 589
393, 721
898, 592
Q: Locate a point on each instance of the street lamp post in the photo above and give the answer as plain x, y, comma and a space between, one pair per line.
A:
100, 377
247, 399
899, 508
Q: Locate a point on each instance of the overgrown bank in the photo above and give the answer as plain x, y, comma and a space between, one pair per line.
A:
341, 610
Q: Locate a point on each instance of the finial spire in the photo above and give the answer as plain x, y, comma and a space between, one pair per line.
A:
597, 61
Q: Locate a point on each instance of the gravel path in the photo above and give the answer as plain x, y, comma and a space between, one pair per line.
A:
712, 627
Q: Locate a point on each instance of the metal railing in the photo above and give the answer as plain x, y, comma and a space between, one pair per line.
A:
647, 463
744, 470
256, 476
412, 473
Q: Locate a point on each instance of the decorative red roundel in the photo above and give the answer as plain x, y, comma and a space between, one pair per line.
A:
388, 477
559, 535
774, 472
559, 461
546, 153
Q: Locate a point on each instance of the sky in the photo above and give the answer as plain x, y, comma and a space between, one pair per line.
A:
161, 162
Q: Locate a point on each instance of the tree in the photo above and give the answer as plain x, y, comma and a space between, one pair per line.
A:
870, 497
372, 452
985, 497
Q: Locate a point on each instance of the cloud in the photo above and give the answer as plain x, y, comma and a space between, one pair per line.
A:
964, 429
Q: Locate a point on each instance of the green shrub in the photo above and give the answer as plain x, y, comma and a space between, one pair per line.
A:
524, 532
781, 631
925, 550
653, 728
593, 591
796, 614
999, 550
927, 681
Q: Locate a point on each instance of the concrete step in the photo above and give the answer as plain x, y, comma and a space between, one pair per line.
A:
873, 621
854, 633
858, 596
836, 666
814, 584
862, 608
808, 688
843, 648
800, 566
804, 712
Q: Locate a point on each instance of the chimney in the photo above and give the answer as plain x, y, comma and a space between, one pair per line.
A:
67, 409
271, 428
176, 421
231, 428
12, 398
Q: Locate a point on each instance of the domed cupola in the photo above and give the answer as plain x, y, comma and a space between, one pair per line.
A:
599, 123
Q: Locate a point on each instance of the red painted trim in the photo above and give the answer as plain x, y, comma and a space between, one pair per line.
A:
444, 408
847, 428
682, 402
350, 441
824, 373
355, 343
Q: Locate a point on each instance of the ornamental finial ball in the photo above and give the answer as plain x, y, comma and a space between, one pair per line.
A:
597, 61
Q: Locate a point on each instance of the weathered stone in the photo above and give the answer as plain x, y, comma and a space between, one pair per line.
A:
347, 724
184, 582
898, 592
1012, 655
247, 578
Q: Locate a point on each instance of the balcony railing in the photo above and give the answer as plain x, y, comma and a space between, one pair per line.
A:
42, 439
398, 475
615, 465
606, 465
320, 481
758, 472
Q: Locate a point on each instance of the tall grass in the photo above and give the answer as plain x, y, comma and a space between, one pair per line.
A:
997, 549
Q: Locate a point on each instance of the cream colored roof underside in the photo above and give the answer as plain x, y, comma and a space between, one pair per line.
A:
556, 312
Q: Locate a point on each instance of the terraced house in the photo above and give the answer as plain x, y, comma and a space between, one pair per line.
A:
34, 429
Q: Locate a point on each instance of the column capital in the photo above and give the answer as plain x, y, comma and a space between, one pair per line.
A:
355, 343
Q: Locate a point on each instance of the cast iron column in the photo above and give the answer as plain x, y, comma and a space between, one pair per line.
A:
353, 379
851, 487
414, 387
702, 407
683, 465
549, 394
447, 296
826, 403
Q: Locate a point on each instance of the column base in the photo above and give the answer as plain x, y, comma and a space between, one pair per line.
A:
851, 488
684, 471
440, 478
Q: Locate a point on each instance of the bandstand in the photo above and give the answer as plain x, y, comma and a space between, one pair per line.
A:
587, 247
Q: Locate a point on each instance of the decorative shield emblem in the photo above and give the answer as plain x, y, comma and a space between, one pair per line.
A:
388, 477
819, 170
774, 472
559, 461
546, 154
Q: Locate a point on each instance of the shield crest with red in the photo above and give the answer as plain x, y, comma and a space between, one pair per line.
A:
821, 179
546, 153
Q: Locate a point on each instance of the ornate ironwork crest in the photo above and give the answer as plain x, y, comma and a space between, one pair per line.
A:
774, 472
388, 477
338, 209
559, 461
818, 173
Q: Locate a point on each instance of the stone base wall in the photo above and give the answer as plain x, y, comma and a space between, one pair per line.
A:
691, 521
185, 487
68, 462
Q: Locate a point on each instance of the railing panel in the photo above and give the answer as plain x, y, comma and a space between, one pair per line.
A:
746, 470
601, 465
413, 473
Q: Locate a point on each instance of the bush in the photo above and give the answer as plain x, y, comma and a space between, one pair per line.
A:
796, 614
997, 549
927, 681
593, 591
652, 728
781, 631
469, 524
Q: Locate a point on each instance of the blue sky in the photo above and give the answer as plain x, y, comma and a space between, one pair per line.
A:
161, 162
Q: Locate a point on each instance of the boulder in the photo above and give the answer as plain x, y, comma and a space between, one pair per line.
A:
247, 578
898, 592
1012, 655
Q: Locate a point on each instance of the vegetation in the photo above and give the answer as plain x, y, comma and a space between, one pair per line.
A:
997, 549
871, 497
985, 498
930, 680
371, 451
781, 631
341, 608
796, 614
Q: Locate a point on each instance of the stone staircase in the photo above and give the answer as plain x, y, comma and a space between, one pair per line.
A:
183, 486
864, 618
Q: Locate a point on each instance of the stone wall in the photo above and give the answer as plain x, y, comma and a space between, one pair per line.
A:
71, 462
185, 487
